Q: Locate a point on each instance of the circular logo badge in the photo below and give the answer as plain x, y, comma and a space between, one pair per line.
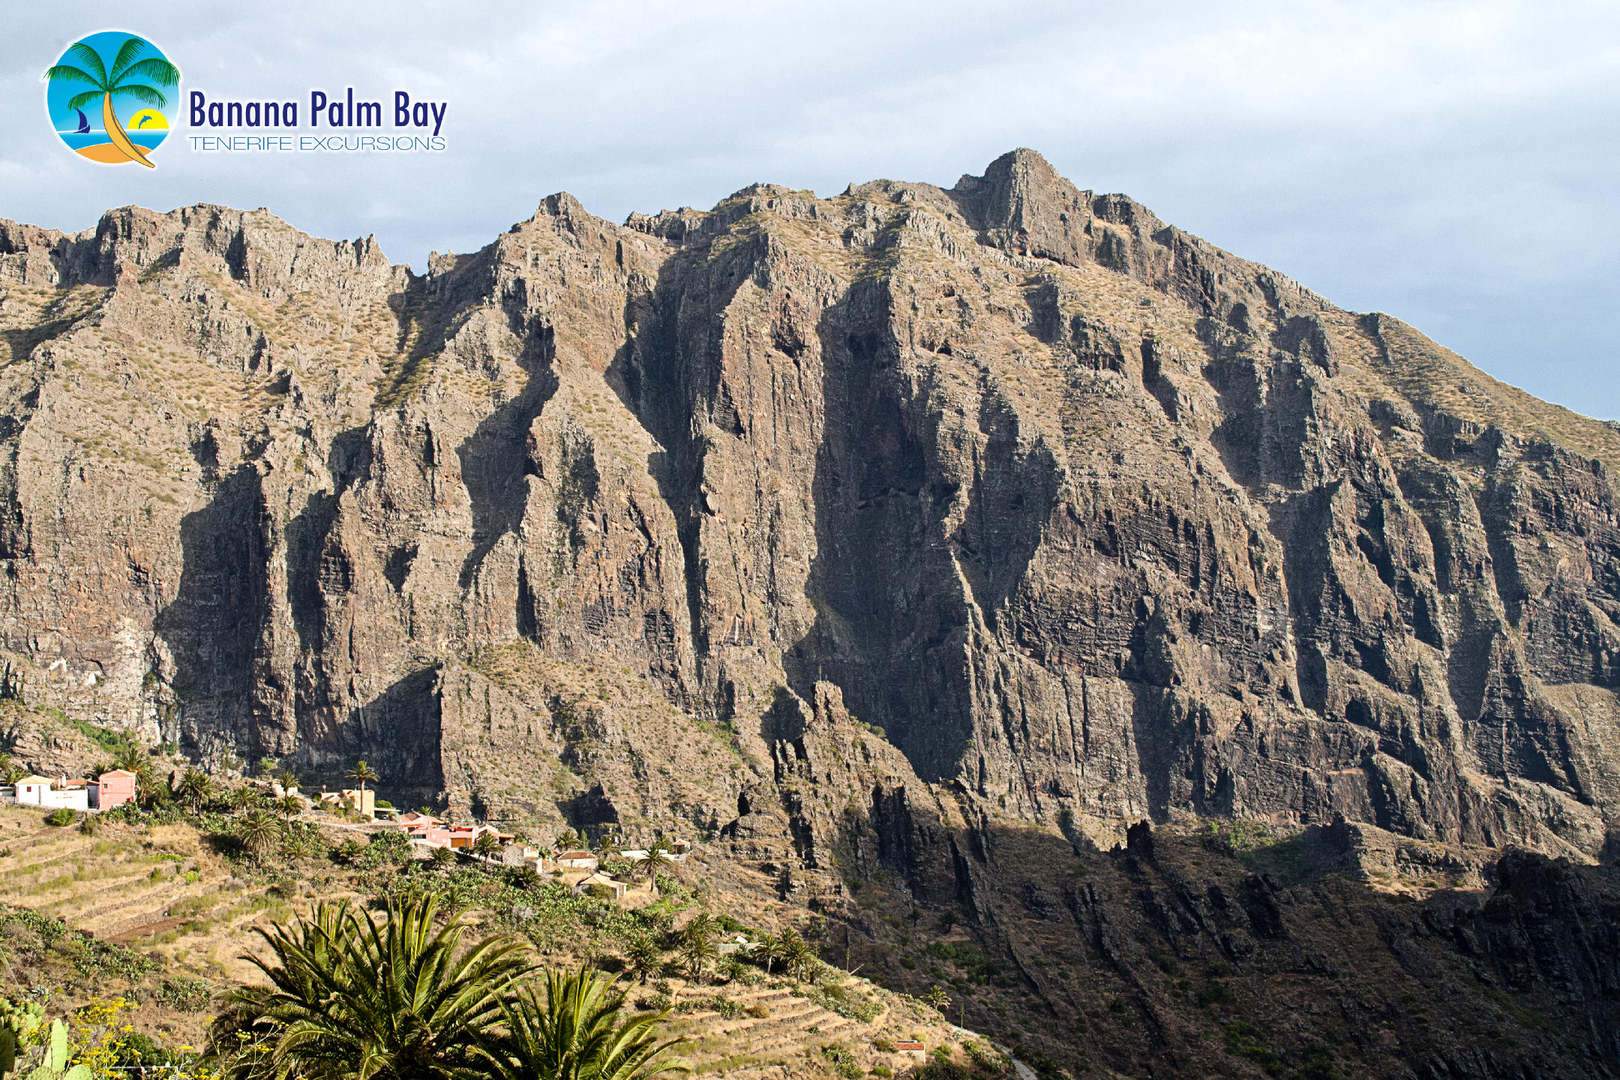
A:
112, 98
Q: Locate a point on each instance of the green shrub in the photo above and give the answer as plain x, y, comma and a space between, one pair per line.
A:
842, 1061
185, 994
61, 816
1245, 1040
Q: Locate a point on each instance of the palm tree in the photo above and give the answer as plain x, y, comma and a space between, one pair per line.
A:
487, 845
353, 996
798, 959
768, 950
648, 868
133, 758
697, 946
260, 833
363, 774
195, 789
290, 806
579, 1030
643, 958
129, 77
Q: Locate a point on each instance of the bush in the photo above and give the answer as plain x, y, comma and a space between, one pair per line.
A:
842, 1061
185, 994
388, 848
61, 816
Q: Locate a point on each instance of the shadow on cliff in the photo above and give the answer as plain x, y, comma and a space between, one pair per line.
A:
496, 458
212, 628
1221, 952
908, 605
668, 375
893, 585
399, 732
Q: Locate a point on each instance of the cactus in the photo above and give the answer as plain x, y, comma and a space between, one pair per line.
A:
18, 1023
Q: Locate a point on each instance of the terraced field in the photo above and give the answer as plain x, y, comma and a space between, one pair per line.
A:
164, 892
161, 891
775, 1030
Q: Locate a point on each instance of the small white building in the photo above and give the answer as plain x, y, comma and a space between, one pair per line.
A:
41, 791
642, 855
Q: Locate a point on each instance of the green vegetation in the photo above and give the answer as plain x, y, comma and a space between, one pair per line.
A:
403, 996
32, 938
579, 1028
363, 774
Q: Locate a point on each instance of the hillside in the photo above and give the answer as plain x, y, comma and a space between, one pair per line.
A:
156, 917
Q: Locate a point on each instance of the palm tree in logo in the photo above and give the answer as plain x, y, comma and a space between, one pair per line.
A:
130, 77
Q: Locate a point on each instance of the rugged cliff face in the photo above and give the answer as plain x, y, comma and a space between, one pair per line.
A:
1095, 521
884, 535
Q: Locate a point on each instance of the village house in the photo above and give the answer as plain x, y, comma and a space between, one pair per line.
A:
415, 819
112, 789
675, 853
603, 887
361, 801
521, 855
48, 794
465, 836
426, 830
735, 945
577, 860
108, 791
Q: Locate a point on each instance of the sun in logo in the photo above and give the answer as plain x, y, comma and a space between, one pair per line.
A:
112, 97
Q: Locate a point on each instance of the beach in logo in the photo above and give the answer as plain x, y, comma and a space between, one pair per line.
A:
112, 97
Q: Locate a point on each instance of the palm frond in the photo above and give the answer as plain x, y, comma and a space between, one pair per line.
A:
127, 52
74, 74
91, 60
154, 69
142, 93
89, 97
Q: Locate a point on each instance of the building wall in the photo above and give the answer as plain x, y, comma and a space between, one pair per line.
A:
110, 792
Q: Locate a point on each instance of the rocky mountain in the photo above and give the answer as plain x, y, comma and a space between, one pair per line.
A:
858, 532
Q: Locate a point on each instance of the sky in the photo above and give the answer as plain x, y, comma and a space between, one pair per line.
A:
1454, 164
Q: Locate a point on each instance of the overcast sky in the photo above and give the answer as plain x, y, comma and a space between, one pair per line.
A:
1453, 164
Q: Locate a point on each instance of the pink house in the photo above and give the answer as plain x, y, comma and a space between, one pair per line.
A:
414, 820
112, 789
464, 836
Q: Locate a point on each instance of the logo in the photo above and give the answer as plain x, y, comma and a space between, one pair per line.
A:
112, 98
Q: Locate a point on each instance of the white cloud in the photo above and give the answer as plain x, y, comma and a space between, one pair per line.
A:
1451, 162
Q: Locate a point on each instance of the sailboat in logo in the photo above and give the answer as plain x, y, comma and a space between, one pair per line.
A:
84, 123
